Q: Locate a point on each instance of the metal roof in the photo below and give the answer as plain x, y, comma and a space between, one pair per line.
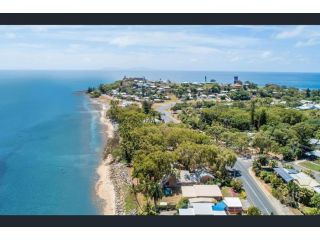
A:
202, 208
305, 180
196, 191
233, 202
283, 174
291, 171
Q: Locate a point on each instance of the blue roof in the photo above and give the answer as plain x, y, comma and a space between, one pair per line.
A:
292, 171
283, 174
220, 206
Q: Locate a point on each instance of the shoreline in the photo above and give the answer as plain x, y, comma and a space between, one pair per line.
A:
113, 176
104, 186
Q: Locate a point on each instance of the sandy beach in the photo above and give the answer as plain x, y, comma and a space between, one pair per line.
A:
113, 176
104, 187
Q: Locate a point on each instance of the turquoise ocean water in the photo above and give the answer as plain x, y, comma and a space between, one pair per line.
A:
51, 139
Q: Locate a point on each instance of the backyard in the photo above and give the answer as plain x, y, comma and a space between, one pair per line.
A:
315, 166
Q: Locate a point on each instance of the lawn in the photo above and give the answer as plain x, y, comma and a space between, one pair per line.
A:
228, 192
130, 203
310, 165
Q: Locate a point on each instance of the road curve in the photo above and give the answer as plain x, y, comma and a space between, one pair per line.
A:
165, 111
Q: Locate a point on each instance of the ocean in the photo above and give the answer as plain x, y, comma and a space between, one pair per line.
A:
51, 138
298, 80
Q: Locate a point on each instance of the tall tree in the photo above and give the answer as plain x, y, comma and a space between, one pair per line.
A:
308, 93
262, 118
252, 112
146, 106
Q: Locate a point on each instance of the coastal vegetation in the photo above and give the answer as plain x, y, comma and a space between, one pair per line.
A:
93, 93
157, 149
255, 124
218, 122
290, 194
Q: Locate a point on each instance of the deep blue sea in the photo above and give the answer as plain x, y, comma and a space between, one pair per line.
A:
298, 80
51, 138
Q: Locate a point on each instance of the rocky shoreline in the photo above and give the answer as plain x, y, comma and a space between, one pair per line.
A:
121, 181
114, 178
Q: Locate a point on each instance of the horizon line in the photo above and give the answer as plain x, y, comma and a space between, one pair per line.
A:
159, 70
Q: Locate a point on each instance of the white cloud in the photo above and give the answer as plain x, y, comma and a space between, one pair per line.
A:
124, 41
156, 47
235, 59
10, 35
308, 42
296, 31
266, 54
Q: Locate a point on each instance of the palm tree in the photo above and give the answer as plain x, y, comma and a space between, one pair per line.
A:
155, 192
293, 190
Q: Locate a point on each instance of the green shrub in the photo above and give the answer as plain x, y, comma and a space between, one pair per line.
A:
183, 203
254, 211
237, 185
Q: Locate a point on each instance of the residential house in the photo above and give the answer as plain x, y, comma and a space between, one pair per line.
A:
282, 173
305, 181
199, 176
201, 209
209, 193
302, 179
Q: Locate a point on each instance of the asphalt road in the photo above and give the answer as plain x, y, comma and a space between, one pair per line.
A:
254, 194
166, 115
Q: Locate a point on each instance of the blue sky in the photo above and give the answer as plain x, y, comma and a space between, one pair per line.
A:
214, 48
